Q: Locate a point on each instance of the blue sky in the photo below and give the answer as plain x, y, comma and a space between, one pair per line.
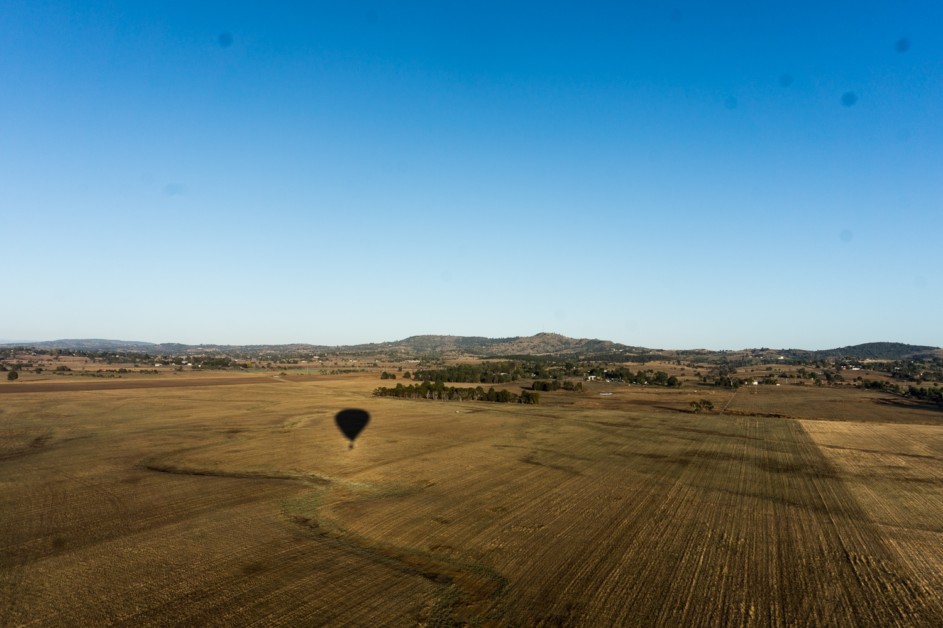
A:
669, 175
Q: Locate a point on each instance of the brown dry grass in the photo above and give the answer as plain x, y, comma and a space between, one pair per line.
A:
242, 503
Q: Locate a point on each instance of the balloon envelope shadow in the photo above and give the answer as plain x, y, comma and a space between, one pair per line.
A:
351, 422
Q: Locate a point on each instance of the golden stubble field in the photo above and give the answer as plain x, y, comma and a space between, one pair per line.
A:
242, 504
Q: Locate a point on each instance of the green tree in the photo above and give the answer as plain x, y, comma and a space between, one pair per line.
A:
703, 404
529, 397
12, 376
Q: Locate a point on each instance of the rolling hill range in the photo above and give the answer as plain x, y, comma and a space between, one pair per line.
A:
542, 344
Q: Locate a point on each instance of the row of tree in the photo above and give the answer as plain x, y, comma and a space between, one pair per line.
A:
556, 384
655, 378
932, 394
483, 373
438, 390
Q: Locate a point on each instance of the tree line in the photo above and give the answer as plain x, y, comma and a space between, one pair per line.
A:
439, 391
556, 384
654, 378
484, 373
931, 394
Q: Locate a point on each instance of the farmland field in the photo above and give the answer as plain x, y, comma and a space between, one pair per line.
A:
242, 503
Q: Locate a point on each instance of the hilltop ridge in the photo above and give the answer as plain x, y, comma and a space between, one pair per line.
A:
540, 344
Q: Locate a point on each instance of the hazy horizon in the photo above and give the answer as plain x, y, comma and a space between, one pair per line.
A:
665, 176
393, 340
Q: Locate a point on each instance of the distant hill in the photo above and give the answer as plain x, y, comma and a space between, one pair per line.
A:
478, 346
539, 344
89, 344
878, 351
169, 348
542, 344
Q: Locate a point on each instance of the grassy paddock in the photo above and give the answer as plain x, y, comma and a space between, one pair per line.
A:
222, 504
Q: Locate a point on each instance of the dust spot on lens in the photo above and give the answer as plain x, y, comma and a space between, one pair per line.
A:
675, 15
785, 80
848, 99
224, 40
902, 44
730, 103
175, 189
846, 235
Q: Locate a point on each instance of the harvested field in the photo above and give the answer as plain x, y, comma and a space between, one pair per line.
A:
171, 381
242, 503
839, 403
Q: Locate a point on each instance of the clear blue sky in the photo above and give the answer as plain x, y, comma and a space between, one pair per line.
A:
671, 175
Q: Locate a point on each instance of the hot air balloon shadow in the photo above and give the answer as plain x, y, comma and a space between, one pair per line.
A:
351, 422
